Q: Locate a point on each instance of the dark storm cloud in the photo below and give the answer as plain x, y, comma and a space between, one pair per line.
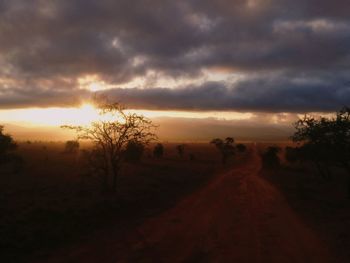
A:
43, 93
47, 41
276, 93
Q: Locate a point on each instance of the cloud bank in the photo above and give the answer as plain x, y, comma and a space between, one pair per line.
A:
290, 55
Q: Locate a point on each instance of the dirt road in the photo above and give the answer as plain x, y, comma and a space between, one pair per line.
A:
238, 217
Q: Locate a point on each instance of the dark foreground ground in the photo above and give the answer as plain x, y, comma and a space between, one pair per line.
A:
52, 204
172, 210
237, 217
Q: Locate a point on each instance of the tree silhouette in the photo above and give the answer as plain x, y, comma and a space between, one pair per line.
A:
110, 136
134, 151
312, 133
158, 150
7, 145
71, 146
241, 147
180, 150
326, 140
226, 147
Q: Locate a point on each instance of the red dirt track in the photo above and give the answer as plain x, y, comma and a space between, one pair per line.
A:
238, 217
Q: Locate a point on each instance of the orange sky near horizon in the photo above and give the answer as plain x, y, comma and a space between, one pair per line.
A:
86, 113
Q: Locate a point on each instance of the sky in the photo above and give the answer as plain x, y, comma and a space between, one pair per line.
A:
246, 61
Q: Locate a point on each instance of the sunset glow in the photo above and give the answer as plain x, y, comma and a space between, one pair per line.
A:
92, 83
175, 131
87, 113
82, 115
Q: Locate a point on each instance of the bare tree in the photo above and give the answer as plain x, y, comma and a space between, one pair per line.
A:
110, 136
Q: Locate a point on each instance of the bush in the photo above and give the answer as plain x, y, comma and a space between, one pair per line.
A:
158, 150
180, 149
241, 147
133, 151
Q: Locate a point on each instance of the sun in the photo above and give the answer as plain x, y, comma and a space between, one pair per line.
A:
82, 115
85, 114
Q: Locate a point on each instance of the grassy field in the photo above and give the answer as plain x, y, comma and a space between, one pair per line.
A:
51, 204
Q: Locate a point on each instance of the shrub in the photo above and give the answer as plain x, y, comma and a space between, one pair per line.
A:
180, 149
158, 150
241, 147
133, 151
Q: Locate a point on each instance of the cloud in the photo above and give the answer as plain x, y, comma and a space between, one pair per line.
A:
274, 93
46, 46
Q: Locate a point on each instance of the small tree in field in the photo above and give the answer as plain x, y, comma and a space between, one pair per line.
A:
241, 148
226, 147
71, 146
158, 151
110, 136
180, 150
